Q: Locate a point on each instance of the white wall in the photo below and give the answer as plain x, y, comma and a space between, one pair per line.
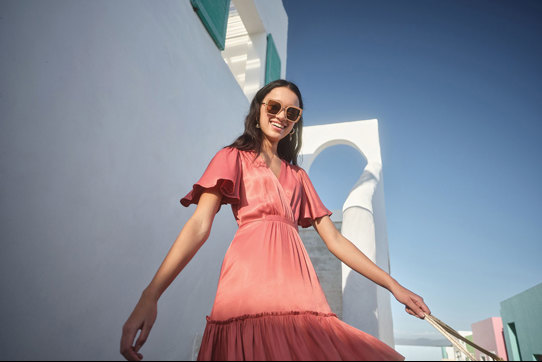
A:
110, 111
275, 21
366, 305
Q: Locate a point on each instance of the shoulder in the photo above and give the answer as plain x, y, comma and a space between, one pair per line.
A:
225, 157
247, 156
227, 150
300, 171
227, 154
230, 150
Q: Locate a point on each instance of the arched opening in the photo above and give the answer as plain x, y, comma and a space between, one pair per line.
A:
334, 172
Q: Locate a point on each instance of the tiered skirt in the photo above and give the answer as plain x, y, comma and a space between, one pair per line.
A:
290, 336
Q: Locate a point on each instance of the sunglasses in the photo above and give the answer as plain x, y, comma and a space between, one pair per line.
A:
275, 107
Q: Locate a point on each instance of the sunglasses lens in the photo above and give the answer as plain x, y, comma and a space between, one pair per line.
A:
273, 107
292, 114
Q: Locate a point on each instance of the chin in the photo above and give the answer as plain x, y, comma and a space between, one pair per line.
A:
273, 138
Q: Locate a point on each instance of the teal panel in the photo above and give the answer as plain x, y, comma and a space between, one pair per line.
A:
214, 16
444, 353
522, 322
272, 61
514, 354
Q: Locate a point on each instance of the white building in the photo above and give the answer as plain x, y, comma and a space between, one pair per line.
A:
110, 111
453, 353
365, 305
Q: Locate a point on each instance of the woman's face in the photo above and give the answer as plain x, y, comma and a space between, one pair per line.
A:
287, 98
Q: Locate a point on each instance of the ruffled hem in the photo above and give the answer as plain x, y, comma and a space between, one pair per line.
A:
226, 187
224, 171
295, 336
305, 222
267, 314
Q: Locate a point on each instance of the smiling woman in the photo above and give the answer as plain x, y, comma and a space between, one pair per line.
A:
277, 103
269, 303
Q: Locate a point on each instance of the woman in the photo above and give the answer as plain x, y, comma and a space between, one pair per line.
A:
269, 304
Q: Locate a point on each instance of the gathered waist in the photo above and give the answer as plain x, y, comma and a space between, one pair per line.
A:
270, 218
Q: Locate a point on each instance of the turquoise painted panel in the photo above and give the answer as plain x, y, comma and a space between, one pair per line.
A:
514, 353
214, 16
444, 353
522, 322
272, 61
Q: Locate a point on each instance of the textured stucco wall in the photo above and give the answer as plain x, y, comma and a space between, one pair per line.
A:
327, 266
110, 111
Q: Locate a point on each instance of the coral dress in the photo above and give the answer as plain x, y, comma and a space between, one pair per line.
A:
269, 304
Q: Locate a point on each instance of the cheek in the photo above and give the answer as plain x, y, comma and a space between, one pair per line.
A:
263, 118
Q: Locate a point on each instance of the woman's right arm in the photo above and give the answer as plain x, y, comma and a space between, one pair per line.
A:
192, 236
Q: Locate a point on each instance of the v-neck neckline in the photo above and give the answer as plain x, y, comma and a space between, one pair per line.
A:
261, 160
270, 170
277, 180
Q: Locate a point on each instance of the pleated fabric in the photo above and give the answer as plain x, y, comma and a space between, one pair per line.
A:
269, 303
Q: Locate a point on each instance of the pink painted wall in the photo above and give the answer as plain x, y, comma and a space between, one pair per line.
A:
488, 334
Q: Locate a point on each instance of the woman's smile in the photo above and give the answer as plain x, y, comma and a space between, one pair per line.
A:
277, 125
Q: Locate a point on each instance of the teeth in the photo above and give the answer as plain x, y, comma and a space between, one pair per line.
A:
277, 124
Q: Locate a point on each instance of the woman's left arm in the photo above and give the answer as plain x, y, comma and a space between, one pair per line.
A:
349, 254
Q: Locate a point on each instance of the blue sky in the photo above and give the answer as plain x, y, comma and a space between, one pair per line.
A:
456, 87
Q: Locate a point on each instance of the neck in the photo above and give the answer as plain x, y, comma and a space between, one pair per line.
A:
269, 148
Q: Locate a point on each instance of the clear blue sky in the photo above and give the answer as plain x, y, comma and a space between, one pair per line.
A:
456, 87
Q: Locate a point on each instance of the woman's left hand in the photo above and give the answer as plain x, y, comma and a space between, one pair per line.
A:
414, 304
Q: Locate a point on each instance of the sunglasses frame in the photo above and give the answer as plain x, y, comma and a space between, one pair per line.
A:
284, 108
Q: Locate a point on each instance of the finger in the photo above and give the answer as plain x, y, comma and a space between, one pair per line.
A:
142, 337
417, 310
125, 342
135, 356
425, 308
409, 311
126, 348
131, 355
419, 301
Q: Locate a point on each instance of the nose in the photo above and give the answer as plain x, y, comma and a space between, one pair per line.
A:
283, 113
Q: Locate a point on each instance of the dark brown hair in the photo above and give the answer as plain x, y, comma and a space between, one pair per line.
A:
251, 139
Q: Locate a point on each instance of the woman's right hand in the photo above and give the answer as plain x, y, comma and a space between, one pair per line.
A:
142, 318
414, 304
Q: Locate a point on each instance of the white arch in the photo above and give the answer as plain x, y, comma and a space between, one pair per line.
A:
365, 305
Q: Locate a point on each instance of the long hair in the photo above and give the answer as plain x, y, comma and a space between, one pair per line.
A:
251, 139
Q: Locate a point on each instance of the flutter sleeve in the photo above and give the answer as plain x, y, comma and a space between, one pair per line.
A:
224, 170
311, 205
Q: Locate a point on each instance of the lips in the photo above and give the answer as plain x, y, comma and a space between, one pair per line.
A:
275, 127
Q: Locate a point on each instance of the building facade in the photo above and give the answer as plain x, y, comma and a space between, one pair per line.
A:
452, 353
489, 335
522, 323
110, 111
